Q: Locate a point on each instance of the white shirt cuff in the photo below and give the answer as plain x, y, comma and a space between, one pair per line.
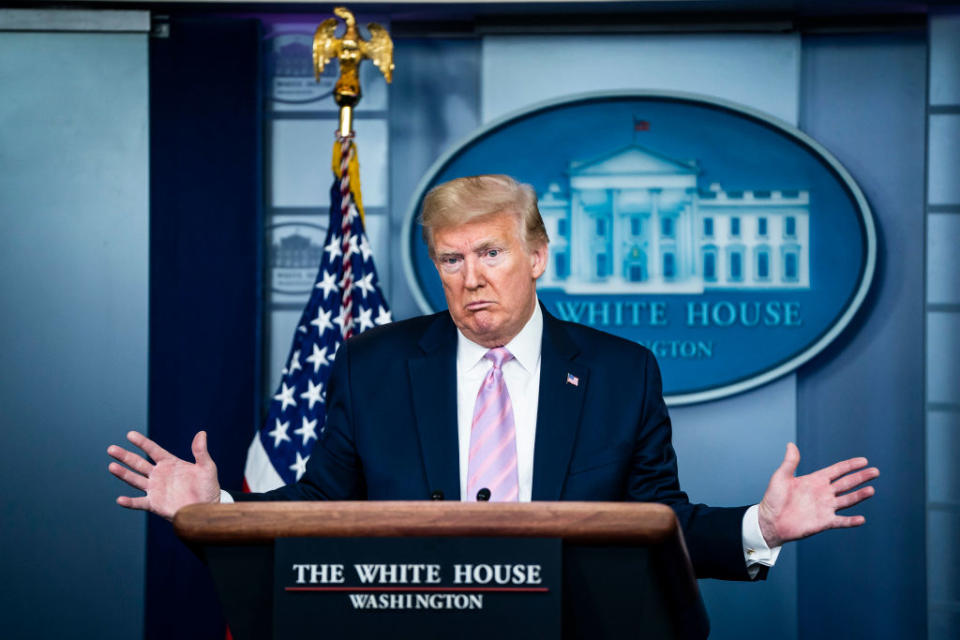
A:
226, 498
755, 549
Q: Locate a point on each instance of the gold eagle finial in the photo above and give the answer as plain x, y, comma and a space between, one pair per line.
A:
350, 50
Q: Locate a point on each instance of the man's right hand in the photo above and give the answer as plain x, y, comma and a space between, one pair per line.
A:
169, 482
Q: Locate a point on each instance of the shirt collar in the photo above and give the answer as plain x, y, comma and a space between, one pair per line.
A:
525, 346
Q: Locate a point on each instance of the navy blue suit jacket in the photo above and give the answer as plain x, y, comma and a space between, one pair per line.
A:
391, 431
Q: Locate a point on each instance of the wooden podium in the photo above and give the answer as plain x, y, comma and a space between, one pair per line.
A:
625, 568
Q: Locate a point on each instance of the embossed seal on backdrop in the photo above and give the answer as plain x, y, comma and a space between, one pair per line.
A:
729, 243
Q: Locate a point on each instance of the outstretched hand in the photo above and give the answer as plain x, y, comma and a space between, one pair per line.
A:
169, 482
797, 507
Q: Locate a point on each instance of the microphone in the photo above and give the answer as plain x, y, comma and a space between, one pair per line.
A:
483, 495
436, 495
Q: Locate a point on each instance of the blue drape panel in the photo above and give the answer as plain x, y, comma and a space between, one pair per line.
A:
205, 278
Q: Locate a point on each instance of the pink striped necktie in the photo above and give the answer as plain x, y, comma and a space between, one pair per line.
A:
493, 438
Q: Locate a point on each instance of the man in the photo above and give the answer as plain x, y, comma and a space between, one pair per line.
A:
497, 399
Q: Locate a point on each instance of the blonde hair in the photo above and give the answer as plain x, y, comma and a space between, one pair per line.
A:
461, 200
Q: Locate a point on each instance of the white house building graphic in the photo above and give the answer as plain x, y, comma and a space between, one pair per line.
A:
635, 221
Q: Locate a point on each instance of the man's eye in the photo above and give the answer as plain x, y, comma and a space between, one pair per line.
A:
450, 264
493, 253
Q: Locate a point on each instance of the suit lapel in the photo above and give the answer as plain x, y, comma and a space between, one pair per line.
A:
433, 377
559, 409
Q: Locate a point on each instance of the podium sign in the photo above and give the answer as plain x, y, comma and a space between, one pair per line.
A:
332, 569
411, 587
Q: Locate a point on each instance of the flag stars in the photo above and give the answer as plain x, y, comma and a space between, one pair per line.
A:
279, 433
294, 362
285, 397
318, 358
313, 393
322, 321
328, 283
383, 317
300, 466
364, 319
333, 248
365, 249
307, 431
365, 284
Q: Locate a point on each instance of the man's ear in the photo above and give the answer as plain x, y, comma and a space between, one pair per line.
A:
538, 260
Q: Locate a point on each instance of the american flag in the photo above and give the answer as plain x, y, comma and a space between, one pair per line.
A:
346, 300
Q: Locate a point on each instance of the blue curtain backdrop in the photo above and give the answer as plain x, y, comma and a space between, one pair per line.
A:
206, 232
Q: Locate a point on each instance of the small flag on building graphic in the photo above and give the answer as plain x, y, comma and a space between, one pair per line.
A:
345, 301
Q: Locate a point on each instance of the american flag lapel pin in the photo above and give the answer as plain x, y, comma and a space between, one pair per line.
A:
572, 379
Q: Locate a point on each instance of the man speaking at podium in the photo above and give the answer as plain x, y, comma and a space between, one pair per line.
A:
497, 399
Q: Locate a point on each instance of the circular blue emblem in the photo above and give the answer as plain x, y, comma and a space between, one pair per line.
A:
728, 242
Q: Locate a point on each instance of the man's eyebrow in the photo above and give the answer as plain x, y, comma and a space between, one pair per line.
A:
486, 245
479, 247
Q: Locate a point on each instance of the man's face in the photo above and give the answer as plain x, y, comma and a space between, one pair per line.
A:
489, 277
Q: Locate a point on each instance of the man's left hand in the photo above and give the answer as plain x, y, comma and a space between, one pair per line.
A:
797, 507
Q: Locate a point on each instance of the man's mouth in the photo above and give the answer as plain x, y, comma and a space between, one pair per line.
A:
479, 305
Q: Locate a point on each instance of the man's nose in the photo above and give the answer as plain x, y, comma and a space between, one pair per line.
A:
473, 274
